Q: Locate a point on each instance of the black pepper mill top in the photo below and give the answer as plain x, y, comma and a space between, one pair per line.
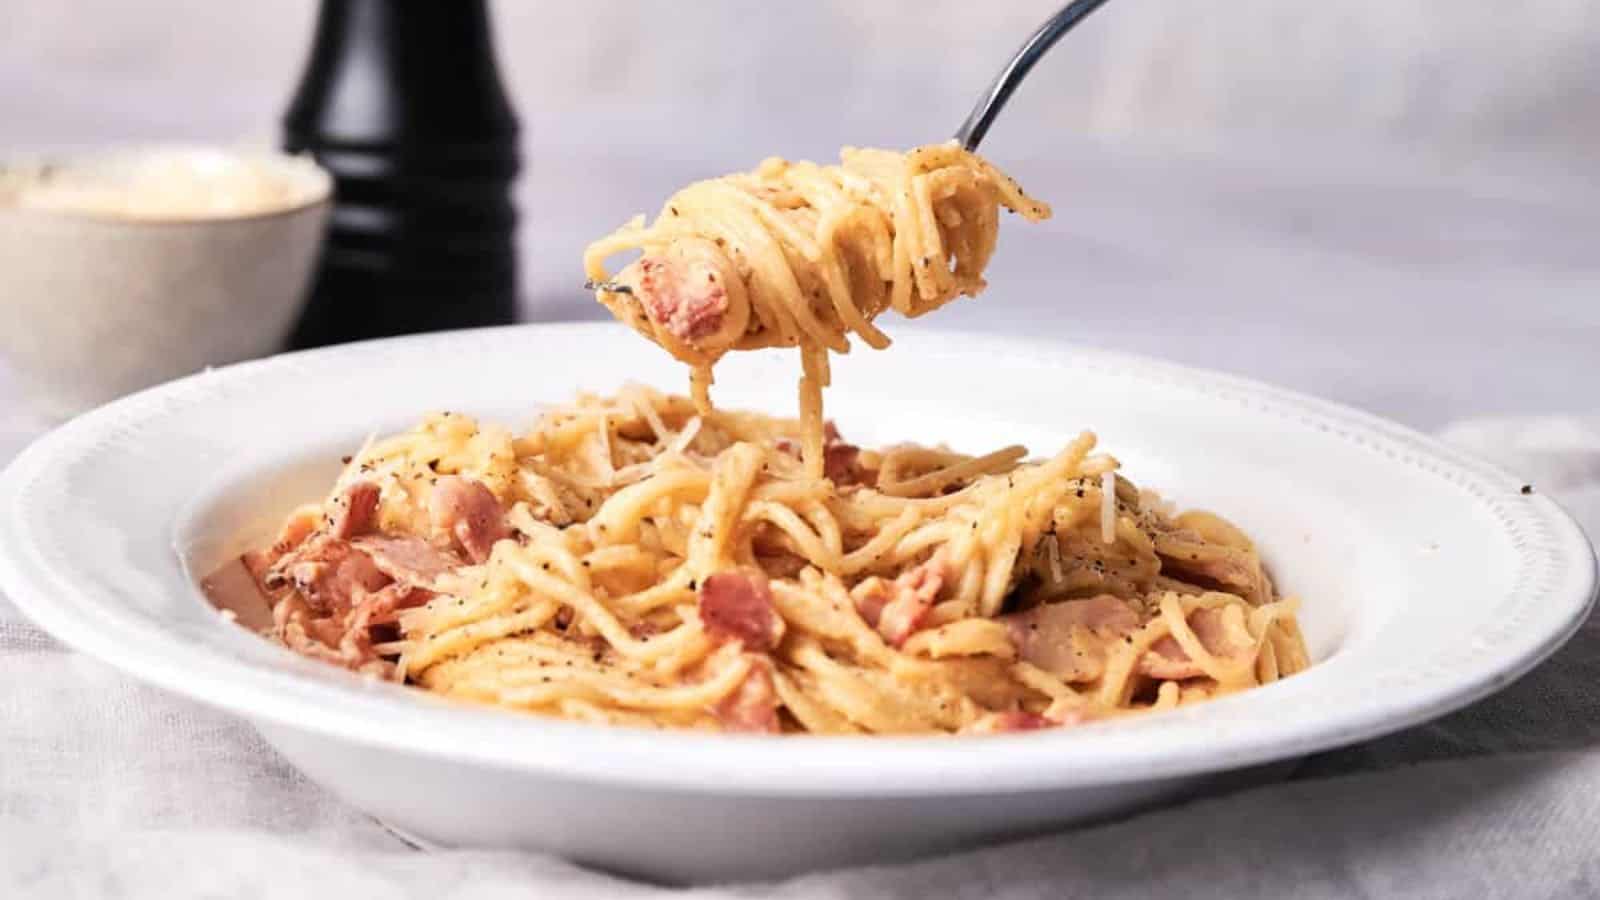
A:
402, 101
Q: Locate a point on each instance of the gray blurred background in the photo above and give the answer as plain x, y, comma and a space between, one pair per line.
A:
1395, 204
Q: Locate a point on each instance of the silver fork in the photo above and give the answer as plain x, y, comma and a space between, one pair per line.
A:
982, 116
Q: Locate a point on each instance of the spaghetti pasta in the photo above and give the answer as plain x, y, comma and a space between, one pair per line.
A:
637, 560
796, 254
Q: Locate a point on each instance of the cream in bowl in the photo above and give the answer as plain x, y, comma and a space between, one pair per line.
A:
127, 268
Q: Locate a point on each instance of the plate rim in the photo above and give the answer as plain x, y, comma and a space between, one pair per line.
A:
741, 764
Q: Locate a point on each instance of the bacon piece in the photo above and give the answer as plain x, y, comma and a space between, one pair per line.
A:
897, 608
870, 597
299, 526
330, 574
753, 705
468, 512
234, 588
353, 512
1053, 636
687, 298
1231, 569
409, 560
738, 606
380, 607
841, 463
1168, 661
1016, 720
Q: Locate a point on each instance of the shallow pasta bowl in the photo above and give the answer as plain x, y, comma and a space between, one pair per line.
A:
1428, 579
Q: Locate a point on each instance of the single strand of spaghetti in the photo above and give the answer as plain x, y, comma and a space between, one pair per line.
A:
1267, 662
1294, 643
827, 528
794, 492
864, 510
731, 480
618, 556
607, 460
932, 533
969, 584
814, 365
931, 275
936, 480
617, 520
681, 441
902, 215
1291, 651
628, 237
700, 380
1167, 696
999, 562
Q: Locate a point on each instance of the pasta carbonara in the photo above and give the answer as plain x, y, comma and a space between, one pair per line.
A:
632, 560
646, 559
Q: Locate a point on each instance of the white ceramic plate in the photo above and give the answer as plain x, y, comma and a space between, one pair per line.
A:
1428, 579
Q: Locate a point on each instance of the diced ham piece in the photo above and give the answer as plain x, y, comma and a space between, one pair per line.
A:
353, 512
468, 512
1048, 635
753, 705
409, 560
738, 606
897, 608
1167, 659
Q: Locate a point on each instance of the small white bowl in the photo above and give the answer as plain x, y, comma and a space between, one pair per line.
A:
131, 267
1429, 579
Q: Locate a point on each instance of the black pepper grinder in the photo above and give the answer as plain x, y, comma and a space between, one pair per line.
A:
402, 101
